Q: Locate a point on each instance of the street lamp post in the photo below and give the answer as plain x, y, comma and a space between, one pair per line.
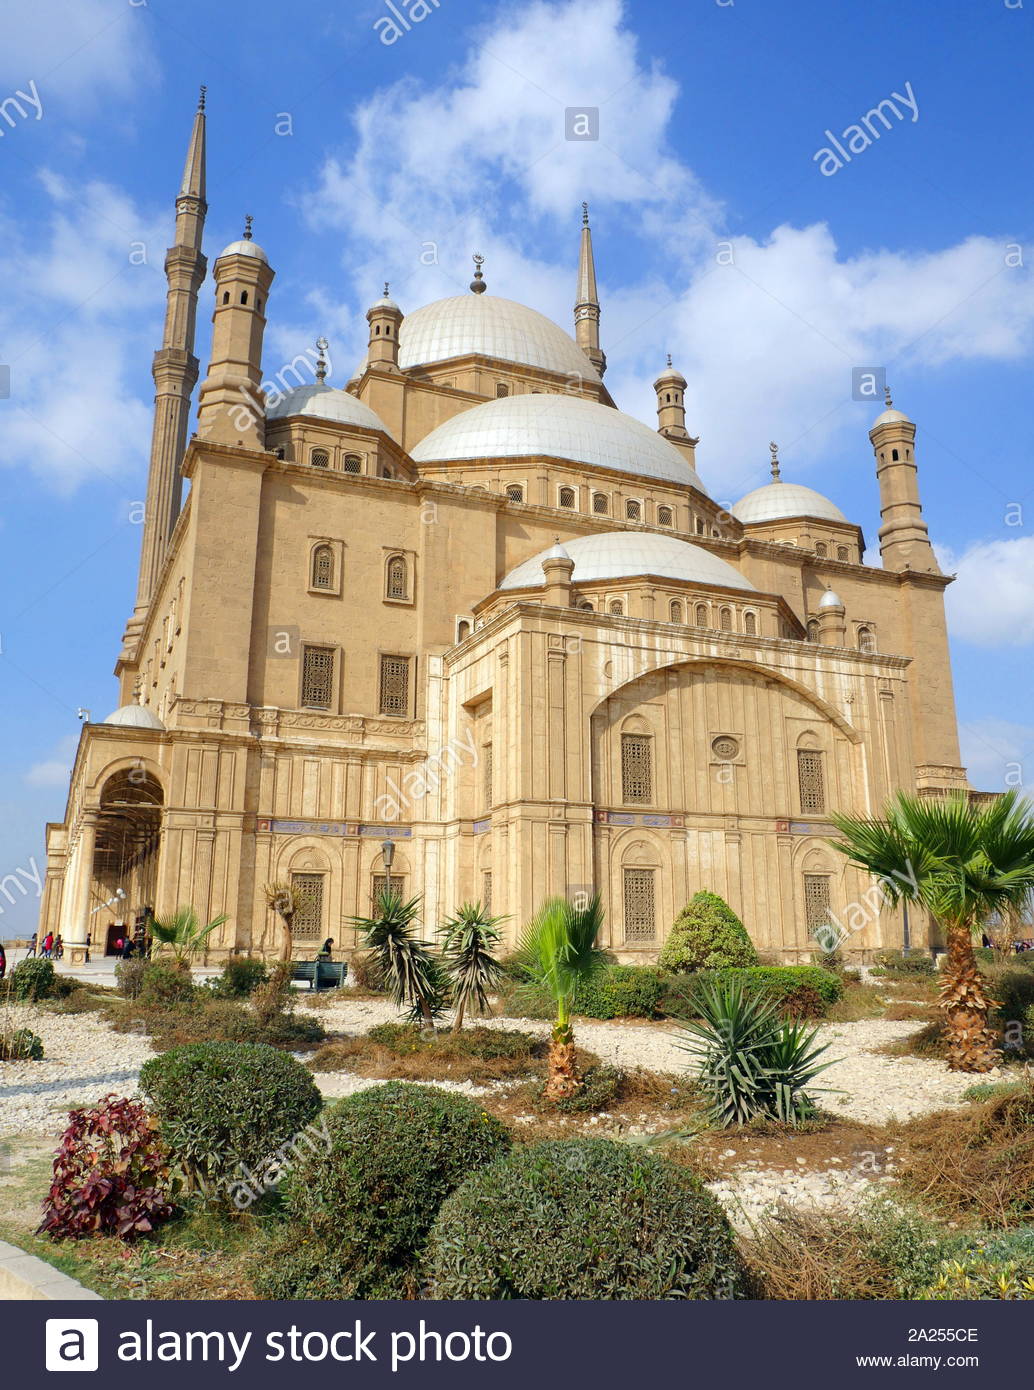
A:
388, 852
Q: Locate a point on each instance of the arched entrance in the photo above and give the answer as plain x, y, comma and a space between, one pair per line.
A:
125, 858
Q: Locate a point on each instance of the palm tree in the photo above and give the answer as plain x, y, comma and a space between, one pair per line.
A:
404, 962
281, 898
963, 862
468, 943
182, 933
558, 952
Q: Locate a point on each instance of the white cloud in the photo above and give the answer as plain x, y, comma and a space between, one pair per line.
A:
998, 755
76, 50
991, 603
53, 771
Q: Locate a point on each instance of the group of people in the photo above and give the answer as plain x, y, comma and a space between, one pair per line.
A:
52, 947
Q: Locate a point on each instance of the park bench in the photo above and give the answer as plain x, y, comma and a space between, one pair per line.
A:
321, 974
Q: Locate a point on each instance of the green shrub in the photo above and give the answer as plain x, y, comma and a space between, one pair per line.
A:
897, 963
290, 1269
792, 987
983, 1280
224, 1105
32, 979
583, 1219
164, 983
395, 1152
600, 1088
1013, 988
129, 976
621, 991
240, 976
707, 935
407, 1039
21, 1046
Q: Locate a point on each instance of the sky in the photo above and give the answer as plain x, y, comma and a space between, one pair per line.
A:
728, 231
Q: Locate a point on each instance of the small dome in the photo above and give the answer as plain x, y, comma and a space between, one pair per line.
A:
321, 402
831, 599
383, 303
671, 374
244, 248
556, 552
135, 717
622, 554
779, 501
891, 417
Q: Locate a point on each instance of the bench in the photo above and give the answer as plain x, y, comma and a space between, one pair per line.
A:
321, 974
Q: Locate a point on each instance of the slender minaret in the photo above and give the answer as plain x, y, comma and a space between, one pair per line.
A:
904, 539
175, 369
587, 303
671, 403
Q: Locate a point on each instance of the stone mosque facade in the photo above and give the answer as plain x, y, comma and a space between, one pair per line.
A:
467, 605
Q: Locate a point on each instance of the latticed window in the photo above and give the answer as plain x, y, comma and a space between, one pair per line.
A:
487, 773
353, 463
866, 639
813, 629
675, 611
817, 911
307, 891
394, 685
486, 891
633, 510
600, 505
701, 615
567, 496
515, 493
726, 619
701, 528
319, 458
379, 886
821, 551
665, 516
398, 578
841, 552
317, 677
640, 905
323, 567
617, 608
636, 768
502, 390
750, 624
811, 778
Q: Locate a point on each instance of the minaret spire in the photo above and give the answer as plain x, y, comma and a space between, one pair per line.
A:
175, 372
587, 301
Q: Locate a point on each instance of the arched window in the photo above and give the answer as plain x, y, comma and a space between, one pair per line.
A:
398, 578
323, 567
586, 607
633, 509
820, 550
502, 389
894, 456
675, 611
701, 615
750, 624
665, 516
617, 608
701, 528
515, 493
841, 552
353, 463
811, 779
813, 629
600, 504
567, 496
226, 296
319, 458
725, 619
462, 630
866, 639
244, 296
636, 769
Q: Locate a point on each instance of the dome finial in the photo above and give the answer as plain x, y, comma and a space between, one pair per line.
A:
201, 98
247, 226
886, 397
386, 288
669, 359
773, 449
585, 214
321, 361
478, 283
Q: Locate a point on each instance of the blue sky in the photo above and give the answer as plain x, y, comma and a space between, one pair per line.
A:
718, 238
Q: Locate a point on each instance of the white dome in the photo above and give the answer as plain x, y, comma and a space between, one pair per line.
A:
777, 501
244, 248
831, 599
566, 427
491, 327
621, 554
891, 417
135, 717
323, 402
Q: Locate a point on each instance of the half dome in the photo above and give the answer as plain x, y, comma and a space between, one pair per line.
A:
623, 554
780, 501
321, 402
490, 327
565, 427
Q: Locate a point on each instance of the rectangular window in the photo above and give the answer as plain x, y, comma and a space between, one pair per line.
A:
486, 892
636, 768
379, 885
307, 890
811, 779
487, 773
816, 902
640, 909
394, 689
317, 677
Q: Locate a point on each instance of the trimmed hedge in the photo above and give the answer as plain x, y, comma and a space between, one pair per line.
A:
897, 963
799, 989
395, 1153
707, 935
226, 1107
583, 1219
622, 991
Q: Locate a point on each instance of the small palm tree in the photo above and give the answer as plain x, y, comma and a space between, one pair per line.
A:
558, 952
182, 933
468, 944
963, 862
281, 898
404, 963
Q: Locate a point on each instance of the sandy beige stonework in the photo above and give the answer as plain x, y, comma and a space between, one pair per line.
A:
467, 604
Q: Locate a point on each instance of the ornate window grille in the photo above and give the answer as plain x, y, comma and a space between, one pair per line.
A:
821, 550
636, 769
810, 776
640, 905
726, 619
701, 615
841, 552
379, 885
750, 624
317, 677
567, 496
633, 509
398, 578
665, 516
319, 458
813, 629
515, 493
487, 773
600, 503
486, 891
501, 390
617, 608
353, 463
394, 697
323, 567
866, 639
817, 911
307, 890
675, 611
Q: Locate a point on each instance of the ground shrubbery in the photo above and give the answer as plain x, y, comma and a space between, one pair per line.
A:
706, 935
21, 1045
395, 1153
622, 991
896, 963
240, 977
801, 991
981, 1279
33, 979
583, 1219
406, 1051
223, 1105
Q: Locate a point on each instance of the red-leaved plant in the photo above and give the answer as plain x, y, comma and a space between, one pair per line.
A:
111, 1174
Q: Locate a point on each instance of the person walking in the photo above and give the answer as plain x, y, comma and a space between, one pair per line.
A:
48, 945
32, 946
59, 947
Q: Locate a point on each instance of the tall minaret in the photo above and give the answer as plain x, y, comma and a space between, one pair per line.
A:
175, 370
904, 539
587, 303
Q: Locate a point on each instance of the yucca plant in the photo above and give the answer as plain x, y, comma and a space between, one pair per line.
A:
182, 934
964, 862
754, 1063
468, 952
558, 952
403, 962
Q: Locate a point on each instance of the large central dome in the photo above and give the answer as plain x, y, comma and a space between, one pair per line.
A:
491, 327
564, 427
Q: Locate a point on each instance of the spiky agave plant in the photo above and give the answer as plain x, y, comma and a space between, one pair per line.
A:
468, 951
558, 952
404, 963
